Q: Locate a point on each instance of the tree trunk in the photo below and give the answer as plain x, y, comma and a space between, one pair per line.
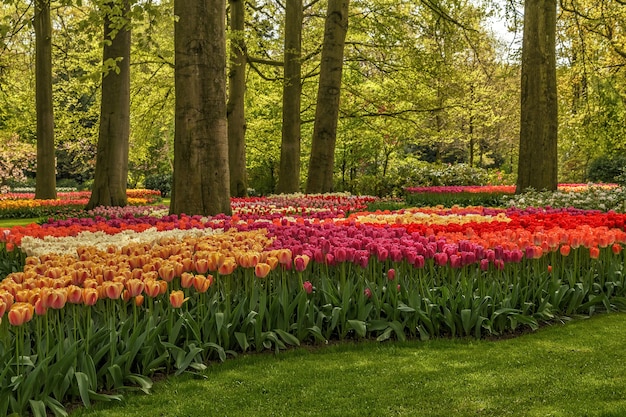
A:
109, 187
201, 175
321, 162
537, 167
289, 176
45, 187
235, 109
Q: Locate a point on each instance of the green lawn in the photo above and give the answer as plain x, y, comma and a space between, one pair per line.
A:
576, 369
16, 222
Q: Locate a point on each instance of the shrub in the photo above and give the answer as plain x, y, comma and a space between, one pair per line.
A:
160, 182
606, 168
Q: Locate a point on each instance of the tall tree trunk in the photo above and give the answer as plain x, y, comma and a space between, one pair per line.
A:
109, 187
235, 108
201, 175
289, 176
322, 160
45, 187
537, 166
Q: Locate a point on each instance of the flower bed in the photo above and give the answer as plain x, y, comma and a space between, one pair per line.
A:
169, 293
24, 205
589, 196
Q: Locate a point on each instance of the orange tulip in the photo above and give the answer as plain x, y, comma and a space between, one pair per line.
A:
90, 296
616, 248
21, 313
594, 252
139, 300
177, 298
216, 259
3, 307
227, 267
262, 269
201, 266
152, 288
284, 256
202, 283
74, 294
186, 279
134, 287
113, 290
565, 250
40, 309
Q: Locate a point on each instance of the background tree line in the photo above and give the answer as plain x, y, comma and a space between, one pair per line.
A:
420, 82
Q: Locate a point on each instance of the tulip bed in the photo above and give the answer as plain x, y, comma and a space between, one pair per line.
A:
101, 304
24, 205
568, 195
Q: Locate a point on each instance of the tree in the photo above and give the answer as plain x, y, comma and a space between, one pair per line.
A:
537, 167
201, 175
321, 162
289, 175
109, 188
235, 108
45, 187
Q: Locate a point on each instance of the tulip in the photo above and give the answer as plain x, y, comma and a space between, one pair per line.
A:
391, 274
134, 287
594, 252
90, 296
152, 288
301, 262
616, 248
113, 290
308, 287
186, 279
227, 267
262, 269
201, 266
166, 272
368, 293
139, 300
565, 250
74, 294
40, 309
21, 313
202, 283
177, 298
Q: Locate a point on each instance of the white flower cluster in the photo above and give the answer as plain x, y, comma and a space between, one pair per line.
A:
593, 198
67, 245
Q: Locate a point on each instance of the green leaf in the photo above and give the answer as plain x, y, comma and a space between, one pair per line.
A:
56, 407
359, 327
143, 382
242, 340
288, 338
385, 335
83, 387
38, 408
182, 363
219, 321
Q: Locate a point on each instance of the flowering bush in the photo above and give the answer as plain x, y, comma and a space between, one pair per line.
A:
112, 299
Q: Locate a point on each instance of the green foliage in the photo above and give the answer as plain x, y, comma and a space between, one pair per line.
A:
161, 182
607, 168
442, 377
11, 259
490, 199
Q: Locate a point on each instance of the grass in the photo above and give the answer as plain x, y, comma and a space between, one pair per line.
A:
561, 370
17, 222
